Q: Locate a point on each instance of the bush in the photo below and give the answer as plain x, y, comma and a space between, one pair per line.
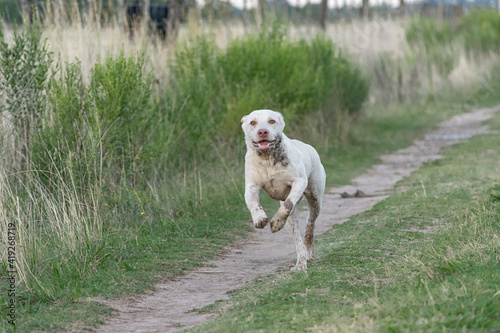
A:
217, 87
109, 120
24, 72
432, 42
120, 111
481, 30
429, 33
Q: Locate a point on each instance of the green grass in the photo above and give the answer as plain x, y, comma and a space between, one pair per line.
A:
378, 273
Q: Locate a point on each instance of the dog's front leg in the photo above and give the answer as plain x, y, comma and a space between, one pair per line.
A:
279, 219
259, 217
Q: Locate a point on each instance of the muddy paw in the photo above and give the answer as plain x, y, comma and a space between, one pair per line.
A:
261, 223
277, 223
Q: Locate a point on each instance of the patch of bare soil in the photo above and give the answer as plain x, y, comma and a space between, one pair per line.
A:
168, 308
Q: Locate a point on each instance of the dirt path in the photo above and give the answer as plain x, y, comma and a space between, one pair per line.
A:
167, 308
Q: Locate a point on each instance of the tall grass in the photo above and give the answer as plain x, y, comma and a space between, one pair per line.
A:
378, 46
53, 205
445, 55
59, 234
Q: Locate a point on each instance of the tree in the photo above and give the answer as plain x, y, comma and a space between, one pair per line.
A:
262, 10
323, 12
365, 9
27, 8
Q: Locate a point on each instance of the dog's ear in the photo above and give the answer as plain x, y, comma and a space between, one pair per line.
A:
281, 120
243, 119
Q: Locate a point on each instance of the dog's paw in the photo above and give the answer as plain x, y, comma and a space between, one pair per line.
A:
278, 222
259, 218
261, 223
279, 219
301, 266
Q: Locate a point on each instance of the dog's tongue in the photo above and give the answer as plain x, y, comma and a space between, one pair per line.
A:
263, 145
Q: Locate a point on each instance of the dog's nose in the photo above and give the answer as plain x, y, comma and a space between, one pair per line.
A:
263, 132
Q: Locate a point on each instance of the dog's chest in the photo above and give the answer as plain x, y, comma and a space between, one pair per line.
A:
277, 182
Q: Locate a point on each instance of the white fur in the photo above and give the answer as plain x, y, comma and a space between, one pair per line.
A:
287, 170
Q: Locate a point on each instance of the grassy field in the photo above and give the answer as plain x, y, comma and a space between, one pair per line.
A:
122, 160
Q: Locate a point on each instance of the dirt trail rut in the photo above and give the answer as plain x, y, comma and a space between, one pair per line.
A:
167, 309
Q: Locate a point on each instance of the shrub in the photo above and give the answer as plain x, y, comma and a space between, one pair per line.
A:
24, 71
107, 121
481, 30
217, 87
432, 41
119, 98
429, 33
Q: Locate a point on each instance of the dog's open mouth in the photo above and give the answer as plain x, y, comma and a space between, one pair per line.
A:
263, 144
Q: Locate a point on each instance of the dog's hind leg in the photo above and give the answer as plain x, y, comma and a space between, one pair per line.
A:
314, 202
314, 195
292, 224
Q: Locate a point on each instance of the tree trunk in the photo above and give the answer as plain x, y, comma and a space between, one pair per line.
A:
262, 11
402, 7
145, 14
27, 9
173, 20
211, 12
244, 15
308, 13
365, 9
227, 11
121, 12
323, 13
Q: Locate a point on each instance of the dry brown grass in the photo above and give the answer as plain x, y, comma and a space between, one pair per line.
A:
378, 46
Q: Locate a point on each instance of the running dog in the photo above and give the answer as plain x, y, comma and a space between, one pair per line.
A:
287, 170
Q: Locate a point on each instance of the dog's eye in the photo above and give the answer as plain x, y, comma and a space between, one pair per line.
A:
253, 123
272, 121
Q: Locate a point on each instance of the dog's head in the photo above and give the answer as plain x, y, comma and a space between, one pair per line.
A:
263, 130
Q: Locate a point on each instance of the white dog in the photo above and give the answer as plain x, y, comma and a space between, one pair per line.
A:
287, 170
